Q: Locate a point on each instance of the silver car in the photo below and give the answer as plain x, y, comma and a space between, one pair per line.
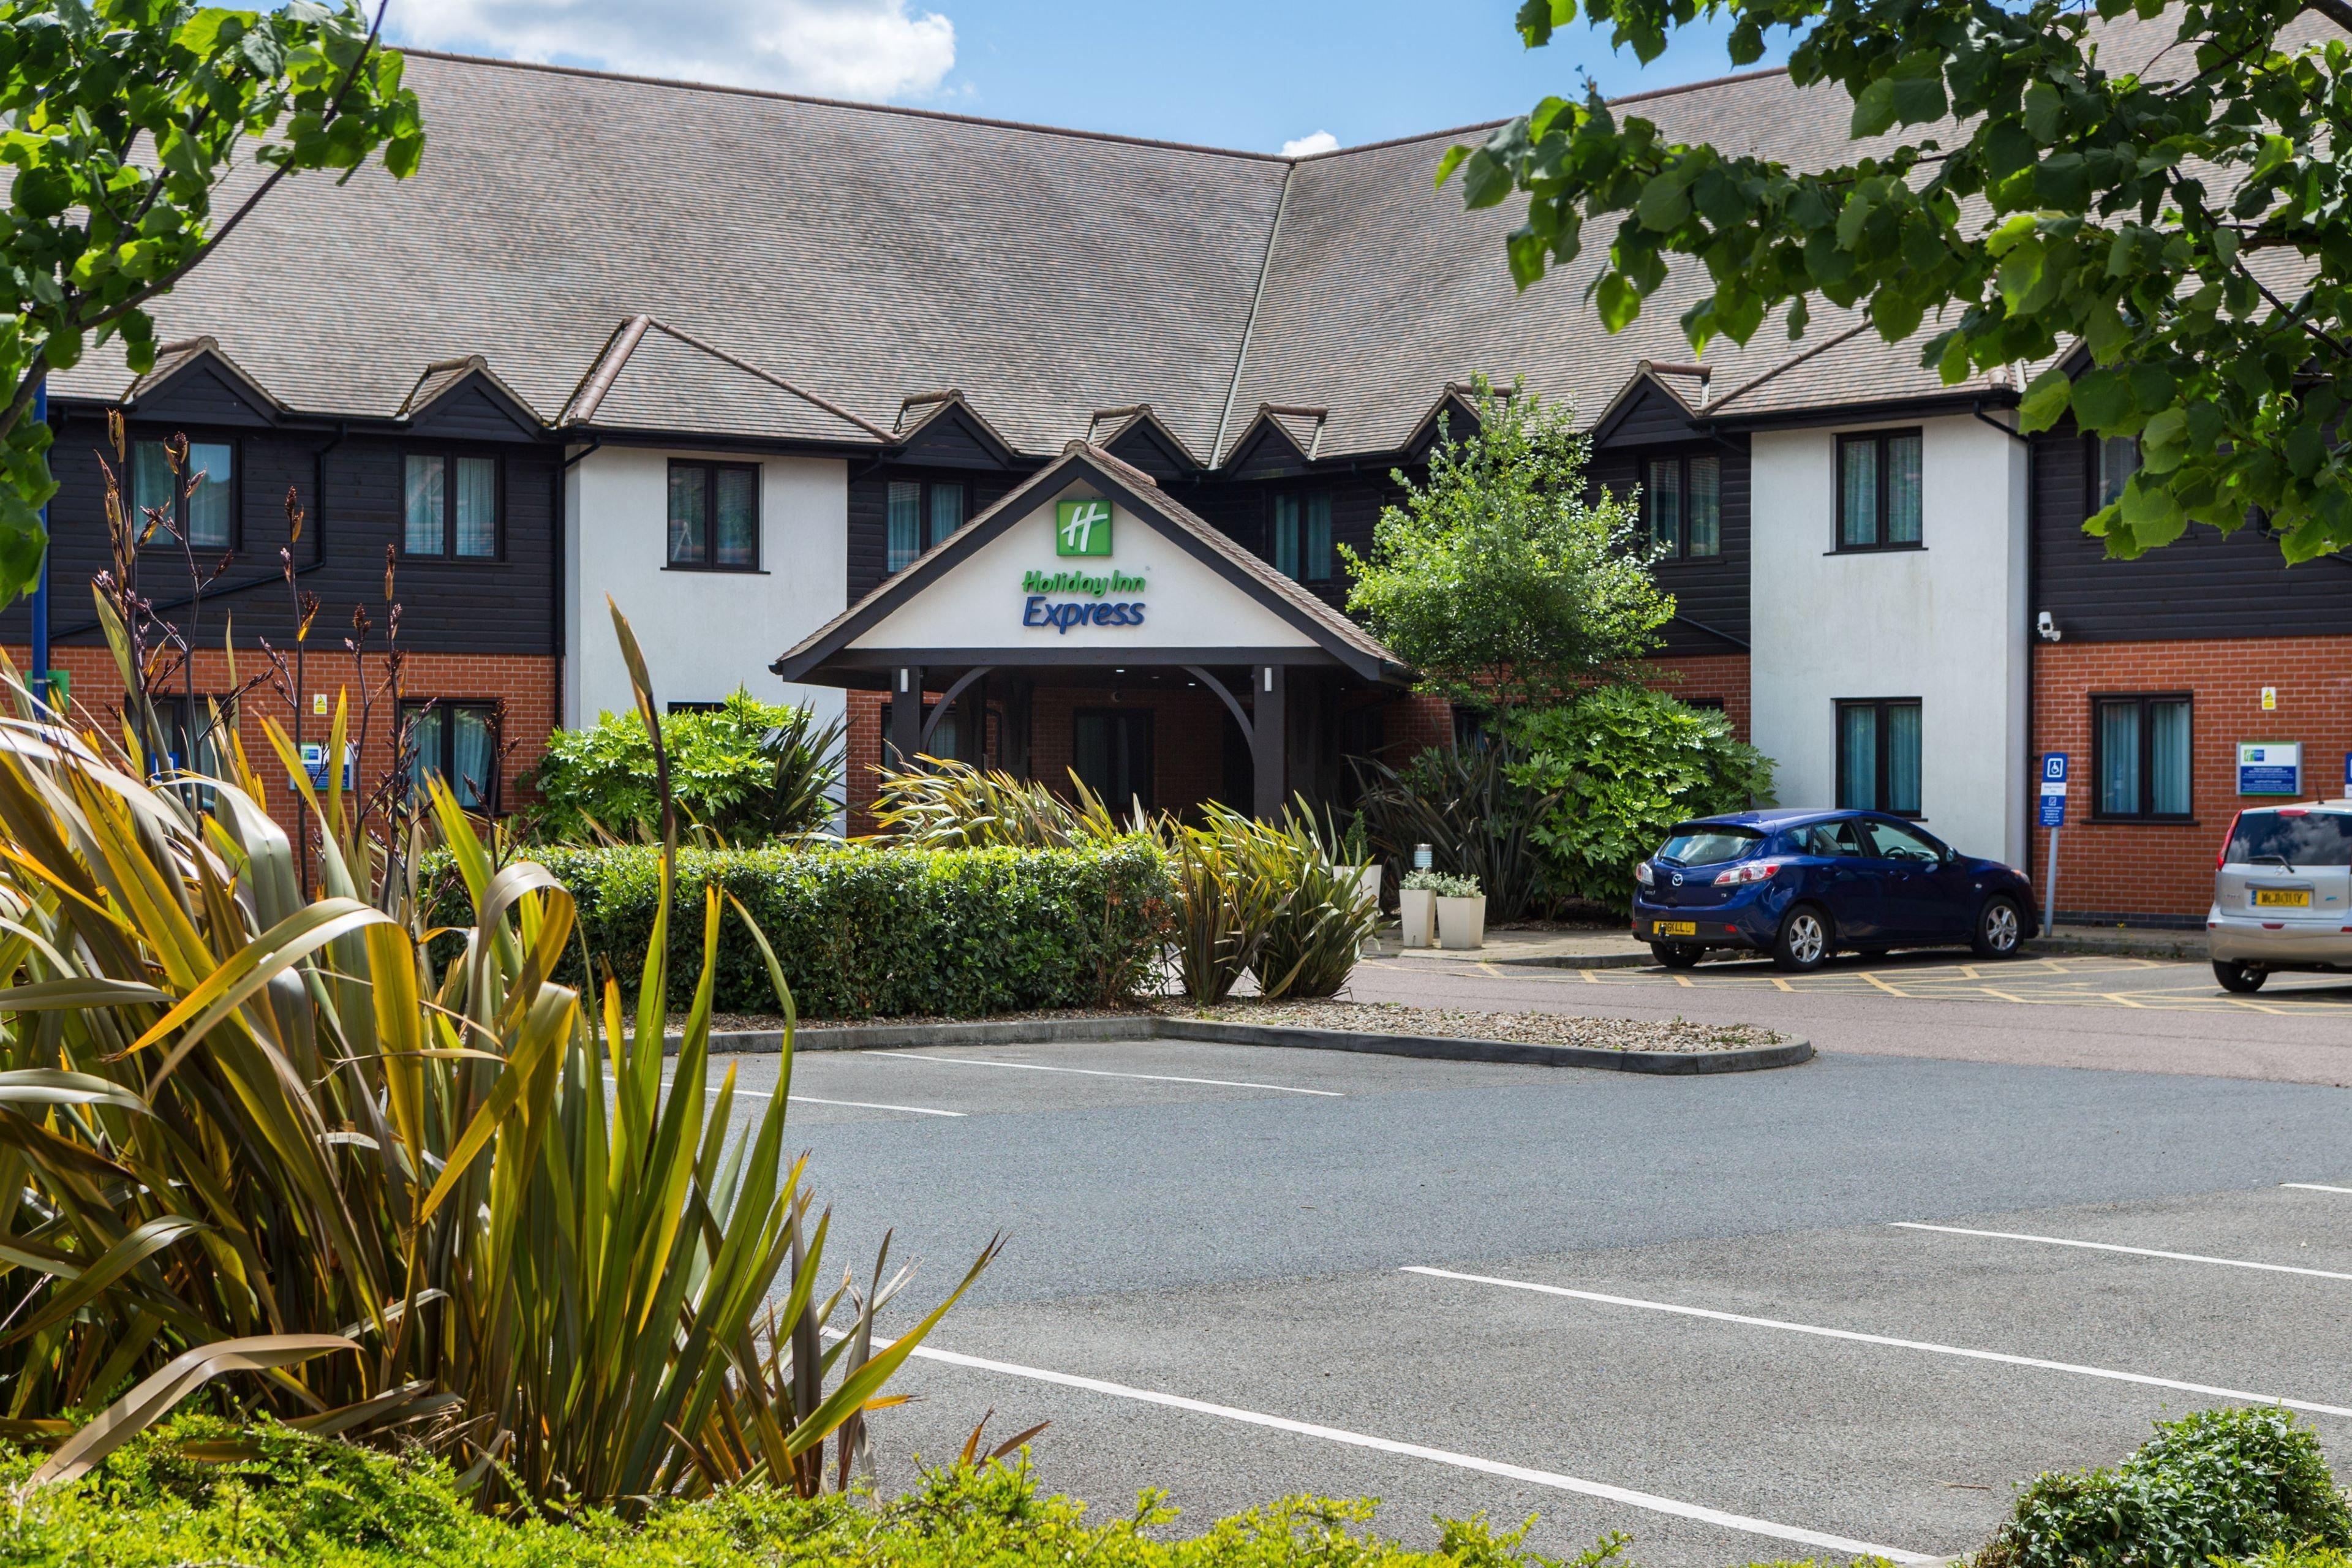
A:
2283, 894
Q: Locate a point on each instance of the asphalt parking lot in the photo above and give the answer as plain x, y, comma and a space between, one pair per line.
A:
1810, 1312
2135, 1014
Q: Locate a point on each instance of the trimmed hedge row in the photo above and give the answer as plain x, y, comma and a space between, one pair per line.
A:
865, 931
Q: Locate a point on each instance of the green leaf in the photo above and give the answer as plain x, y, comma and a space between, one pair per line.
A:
2044, 401
1486, 180
1450, 161
2103, 400
1666, 202
2164, 441
2042, 107
1874, 109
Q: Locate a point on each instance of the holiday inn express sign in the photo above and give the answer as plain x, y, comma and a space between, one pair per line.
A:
1081, 526
1080, 571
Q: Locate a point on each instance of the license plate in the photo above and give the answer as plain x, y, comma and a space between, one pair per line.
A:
2282, 898
1676, 928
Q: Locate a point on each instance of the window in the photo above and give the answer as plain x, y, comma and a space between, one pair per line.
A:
2139, 754
2292, 835
1302, 537
922, 515
1705, 704
1878, 755
205, 516
1895, 842
1682, 504
449, 506
1111, 753
943, 743
1878, 490
2113, 461
1830, 840
714, 516
1698, 844
458, 742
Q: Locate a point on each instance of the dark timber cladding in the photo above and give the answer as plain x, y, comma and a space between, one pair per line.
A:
2205, 584
351, 490
1711, 608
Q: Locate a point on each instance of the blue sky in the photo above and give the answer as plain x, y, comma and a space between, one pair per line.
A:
1225, 72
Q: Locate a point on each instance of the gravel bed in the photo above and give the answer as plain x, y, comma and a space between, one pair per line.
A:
1679, 1036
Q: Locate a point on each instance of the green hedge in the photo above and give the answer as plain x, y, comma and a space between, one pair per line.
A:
301, 1501
864, 931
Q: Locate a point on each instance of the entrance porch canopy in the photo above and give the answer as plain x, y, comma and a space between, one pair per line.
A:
1086, 572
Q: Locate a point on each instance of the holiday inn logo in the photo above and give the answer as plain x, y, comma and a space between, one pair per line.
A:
1082, 528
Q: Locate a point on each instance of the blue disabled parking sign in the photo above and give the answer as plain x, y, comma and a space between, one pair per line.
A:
2053, 789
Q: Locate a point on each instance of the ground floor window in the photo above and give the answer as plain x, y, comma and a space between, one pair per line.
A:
1111, 750
2140, 751
1878, 755
942, 741
456, 742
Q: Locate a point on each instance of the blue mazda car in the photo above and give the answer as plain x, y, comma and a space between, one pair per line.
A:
1804, 885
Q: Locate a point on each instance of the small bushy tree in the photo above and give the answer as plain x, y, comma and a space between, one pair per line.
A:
746, 770
1499, 578
1622, 765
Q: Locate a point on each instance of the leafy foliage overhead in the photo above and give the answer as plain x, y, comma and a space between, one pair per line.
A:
1498, 577
135, 136
2025, 179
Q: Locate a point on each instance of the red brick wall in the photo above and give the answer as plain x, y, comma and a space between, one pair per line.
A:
1720, 677
2163, 872
1413, 724
525, 684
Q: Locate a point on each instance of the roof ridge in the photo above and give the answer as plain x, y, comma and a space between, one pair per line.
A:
811, 99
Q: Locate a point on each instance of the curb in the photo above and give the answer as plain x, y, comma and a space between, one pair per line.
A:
1153, 1026
2190, 948
1472, 956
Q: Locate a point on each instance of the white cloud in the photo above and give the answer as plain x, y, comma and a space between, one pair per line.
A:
834, 48
1307, 146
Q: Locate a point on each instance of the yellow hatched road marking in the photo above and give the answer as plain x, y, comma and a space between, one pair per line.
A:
1881, 984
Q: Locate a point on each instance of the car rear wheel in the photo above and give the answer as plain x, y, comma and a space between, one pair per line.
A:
2238, 977
1678, 954
1804, 940
1999, 927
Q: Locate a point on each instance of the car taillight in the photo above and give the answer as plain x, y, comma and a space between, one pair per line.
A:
2221, 856
1644, 875
1753, 871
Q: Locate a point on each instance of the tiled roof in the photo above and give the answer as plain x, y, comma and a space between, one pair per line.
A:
648, 257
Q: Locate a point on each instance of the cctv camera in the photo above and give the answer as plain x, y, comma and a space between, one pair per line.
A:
2047, 627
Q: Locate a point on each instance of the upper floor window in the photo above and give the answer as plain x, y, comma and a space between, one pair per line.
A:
1878, 755
1878, 490
1302, 536
2118, 460
449, 506
2140, 753
201, 507
714, 516
922, 514
458, 742
1682, 506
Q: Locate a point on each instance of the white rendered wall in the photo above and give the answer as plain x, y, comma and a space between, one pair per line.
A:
1946, 624
704, 633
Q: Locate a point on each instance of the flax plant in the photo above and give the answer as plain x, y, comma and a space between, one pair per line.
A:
398, 1176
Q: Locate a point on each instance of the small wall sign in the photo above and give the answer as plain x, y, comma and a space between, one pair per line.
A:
2270, 698
2270, 767
1082, 528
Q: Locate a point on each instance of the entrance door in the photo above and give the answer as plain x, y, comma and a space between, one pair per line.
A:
1111, 748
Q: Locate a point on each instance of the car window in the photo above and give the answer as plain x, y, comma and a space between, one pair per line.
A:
1897, 842
2298, 837
1708, 844
1831, 838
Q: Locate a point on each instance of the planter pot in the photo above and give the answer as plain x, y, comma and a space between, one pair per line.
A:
1368, 886
1417, 910
1461, 922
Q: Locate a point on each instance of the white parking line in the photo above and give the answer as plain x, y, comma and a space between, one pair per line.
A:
812, 1099
2112, 1246
2314, 1188
1649, 1501
2100, 1371
1097, 1072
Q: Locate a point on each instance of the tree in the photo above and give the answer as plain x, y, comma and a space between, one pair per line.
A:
2187, 224
1497, 577
122, 124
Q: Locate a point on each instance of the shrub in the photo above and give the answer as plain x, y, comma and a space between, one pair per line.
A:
868, 932
291, 1498
1620, 765
948, 805
2216, 1484
1478, 820
746, 770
